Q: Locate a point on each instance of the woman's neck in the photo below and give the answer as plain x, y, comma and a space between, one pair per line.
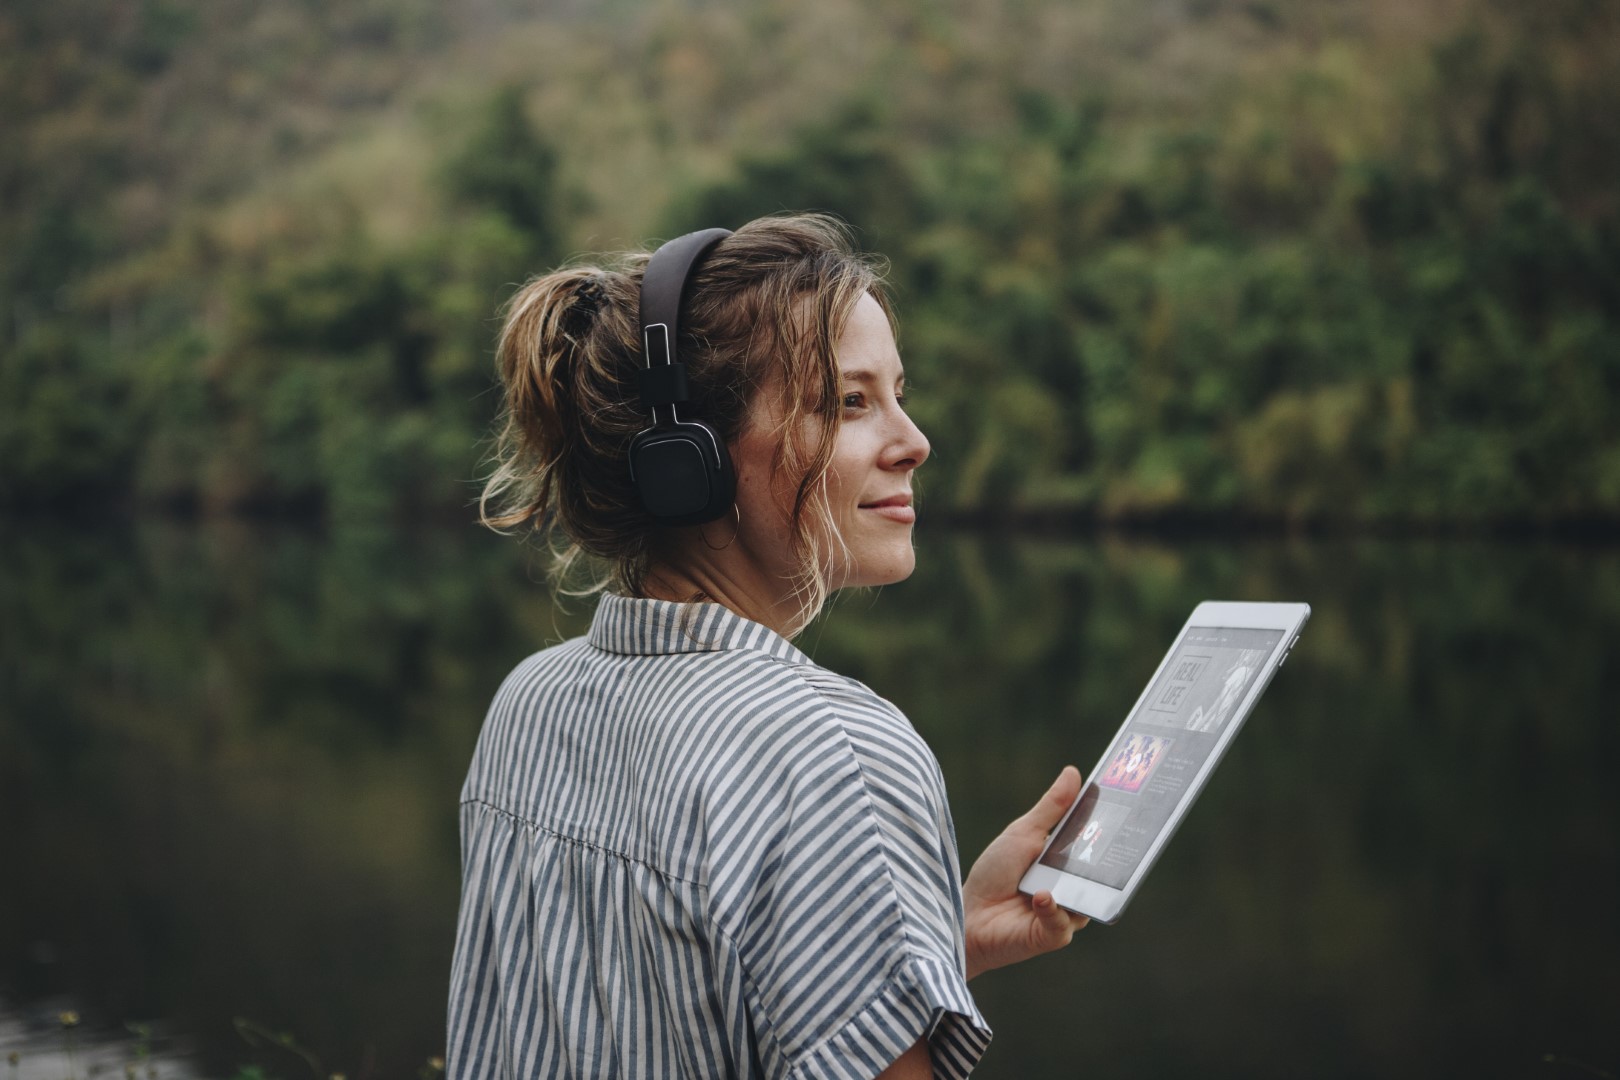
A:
739, 588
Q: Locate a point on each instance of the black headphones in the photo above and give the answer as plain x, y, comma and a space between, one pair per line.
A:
680, 466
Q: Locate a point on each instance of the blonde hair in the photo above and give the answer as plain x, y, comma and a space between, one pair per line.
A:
763, 311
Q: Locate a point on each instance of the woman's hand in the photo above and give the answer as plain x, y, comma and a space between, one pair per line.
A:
1003, 925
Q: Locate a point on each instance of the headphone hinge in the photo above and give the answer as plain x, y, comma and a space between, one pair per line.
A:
664, 384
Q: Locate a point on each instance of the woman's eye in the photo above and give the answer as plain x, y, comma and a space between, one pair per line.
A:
854, 401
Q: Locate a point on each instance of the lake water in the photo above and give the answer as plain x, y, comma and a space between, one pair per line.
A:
230, 756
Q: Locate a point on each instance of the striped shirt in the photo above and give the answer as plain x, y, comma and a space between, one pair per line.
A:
689, 851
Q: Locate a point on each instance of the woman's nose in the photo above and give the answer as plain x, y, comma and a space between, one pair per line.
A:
909, 448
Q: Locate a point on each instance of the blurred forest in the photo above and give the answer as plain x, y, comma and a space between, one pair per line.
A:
1308, 264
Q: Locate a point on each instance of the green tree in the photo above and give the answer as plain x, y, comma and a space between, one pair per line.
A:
507, 169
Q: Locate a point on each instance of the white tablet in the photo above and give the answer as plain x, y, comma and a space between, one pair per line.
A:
1164, 752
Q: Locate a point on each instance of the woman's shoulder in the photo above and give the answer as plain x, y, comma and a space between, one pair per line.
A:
804, 714
851, 696
541, 665
716, 724
834, 700
874, 725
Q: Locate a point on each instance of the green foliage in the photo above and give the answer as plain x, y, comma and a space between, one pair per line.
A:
849, 166
1339, 273
507, 170
65, 428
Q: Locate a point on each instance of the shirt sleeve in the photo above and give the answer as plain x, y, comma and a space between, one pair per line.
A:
477, 1043
841, 892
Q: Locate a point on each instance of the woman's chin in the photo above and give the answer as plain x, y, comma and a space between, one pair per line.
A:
869, 573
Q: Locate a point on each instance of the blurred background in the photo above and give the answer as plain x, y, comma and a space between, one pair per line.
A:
1198, 298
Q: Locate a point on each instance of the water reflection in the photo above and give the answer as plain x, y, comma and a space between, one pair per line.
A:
229, 760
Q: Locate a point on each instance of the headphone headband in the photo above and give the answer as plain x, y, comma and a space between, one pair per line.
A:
663, 287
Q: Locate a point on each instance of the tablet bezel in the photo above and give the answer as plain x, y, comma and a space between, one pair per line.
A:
1104, 902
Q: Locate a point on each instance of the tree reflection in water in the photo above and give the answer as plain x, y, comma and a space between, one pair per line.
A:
229, 760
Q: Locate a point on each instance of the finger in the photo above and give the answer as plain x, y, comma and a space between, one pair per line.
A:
1057, 925
1046, 813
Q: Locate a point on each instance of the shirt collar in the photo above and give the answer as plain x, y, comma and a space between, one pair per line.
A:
637, 627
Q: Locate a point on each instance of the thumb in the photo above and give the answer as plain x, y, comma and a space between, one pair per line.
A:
1055, 925
1046, 813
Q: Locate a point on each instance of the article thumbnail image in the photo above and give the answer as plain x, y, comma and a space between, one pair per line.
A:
1093, 837
1241, 669
1134, 762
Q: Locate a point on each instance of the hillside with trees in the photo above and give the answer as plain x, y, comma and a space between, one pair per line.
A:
1202, 260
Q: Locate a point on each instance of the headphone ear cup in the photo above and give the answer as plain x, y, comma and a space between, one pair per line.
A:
683, 473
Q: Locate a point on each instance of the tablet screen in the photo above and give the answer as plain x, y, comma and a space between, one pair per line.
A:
1159, 752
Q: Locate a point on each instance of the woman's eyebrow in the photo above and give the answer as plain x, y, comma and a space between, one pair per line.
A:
863, 376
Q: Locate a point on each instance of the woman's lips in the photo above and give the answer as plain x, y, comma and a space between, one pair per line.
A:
897, 509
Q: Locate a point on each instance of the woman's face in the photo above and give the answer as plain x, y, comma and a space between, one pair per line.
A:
868, 486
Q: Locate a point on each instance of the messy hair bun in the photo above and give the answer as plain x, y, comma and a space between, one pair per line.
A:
764, 308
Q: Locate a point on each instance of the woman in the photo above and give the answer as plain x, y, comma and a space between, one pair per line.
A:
687, 849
